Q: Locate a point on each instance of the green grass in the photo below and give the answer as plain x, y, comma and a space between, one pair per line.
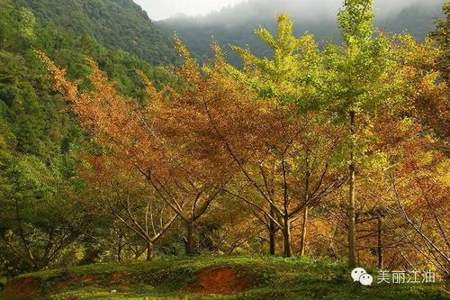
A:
272, 278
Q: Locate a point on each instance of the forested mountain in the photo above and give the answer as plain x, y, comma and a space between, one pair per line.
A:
38, 137
236, 25
117, 24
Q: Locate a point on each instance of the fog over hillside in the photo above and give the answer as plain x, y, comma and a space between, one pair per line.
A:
307, 9
236, 25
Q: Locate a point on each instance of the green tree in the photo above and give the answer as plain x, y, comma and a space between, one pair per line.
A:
291, 74
359, 79
442, 37
27, 24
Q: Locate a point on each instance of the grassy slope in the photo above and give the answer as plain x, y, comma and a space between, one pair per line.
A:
272, 278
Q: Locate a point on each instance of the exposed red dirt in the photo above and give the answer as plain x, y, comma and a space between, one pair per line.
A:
22, 288
73, 281
119, 277
219, 280
87, 278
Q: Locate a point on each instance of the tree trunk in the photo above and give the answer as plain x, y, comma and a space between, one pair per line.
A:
149, 250
380, 243
272, 242
287, 237
352, 197
189, 238
272, 233
119, 252
120, 245
304, 226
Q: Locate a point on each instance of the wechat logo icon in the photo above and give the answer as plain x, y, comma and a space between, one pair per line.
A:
360, 275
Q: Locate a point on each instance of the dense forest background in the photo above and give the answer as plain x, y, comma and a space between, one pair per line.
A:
55, 212
114, 24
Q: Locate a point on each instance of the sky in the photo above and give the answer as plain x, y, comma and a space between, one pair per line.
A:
162, 9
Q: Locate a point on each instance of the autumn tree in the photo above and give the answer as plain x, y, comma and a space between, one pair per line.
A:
121, 192
292, 79
415, 189
143, 138
418, 177
420, 188
428, 88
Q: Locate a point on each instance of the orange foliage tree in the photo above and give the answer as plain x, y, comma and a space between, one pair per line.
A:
149, 140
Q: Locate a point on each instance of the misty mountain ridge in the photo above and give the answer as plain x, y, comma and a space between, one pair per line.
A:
304, 9
236, 24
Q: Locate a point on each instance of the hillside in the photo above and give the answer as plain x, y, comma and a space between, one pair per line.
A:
117, 24
38, 137
203, 277
232, 26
